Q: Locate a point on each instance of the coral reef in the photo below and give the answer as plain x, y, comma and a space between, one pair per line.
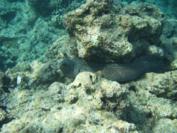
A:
69, 108
28, 28
87, 103
101, 32
113, 70
152, 101
168, 7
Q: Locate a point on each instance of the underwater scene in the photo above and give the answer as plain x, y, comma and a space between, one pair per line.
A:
88, 66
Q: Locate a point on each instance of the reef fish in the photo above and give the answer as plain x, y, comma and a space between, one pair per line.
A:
132, 71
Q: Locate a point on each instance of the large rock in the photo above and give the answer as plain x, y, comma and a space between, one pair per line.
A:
153, 101
105, 31
84, 105
92, 103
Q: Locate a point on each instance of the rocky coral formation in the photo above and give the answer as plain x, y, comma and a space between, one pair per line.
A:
64, 47
161, 85
93, 104
80, 106
23, 34
152, 101
168, 7
28, 28
101, 32
67, 94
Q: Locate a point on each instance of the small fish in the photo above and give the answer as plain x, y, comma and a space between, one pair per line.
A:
19, 79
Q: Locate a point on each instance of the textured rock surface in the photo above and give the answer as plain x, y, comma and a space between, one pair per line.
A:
28, 28
152, 101
101, 31
93, 104
161, 85
167, 6
61, 48
23, 34
78, 107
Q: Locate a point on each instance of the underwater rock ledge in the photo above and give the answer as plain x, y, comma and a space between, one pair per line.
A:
109, 32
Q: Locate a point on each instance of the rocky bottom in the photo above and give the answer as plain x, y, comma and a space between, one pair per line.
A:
91, 104
64, 91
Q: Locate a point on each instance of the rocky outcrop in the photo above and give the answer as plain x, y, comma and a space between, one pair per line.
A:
102, 32
83, 105
153, 101
92, 103
168, 7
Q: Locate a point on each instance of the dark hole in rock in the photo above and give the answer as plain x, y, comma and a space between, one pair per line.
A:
9, 16
41, 7
7, 120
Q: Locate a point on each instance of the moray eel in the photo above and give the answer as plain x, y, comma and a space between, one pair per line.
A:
117, 72
132, 71
121, 73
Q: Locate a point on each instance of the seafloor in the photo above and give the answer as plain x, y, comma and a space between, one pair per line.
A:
94, 66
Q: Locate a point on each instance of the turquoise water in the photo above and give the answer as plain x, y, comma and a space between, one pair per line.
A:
88, 66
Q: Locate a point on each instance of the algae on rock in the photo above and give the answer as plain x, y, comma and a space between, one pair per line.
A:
108, 34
